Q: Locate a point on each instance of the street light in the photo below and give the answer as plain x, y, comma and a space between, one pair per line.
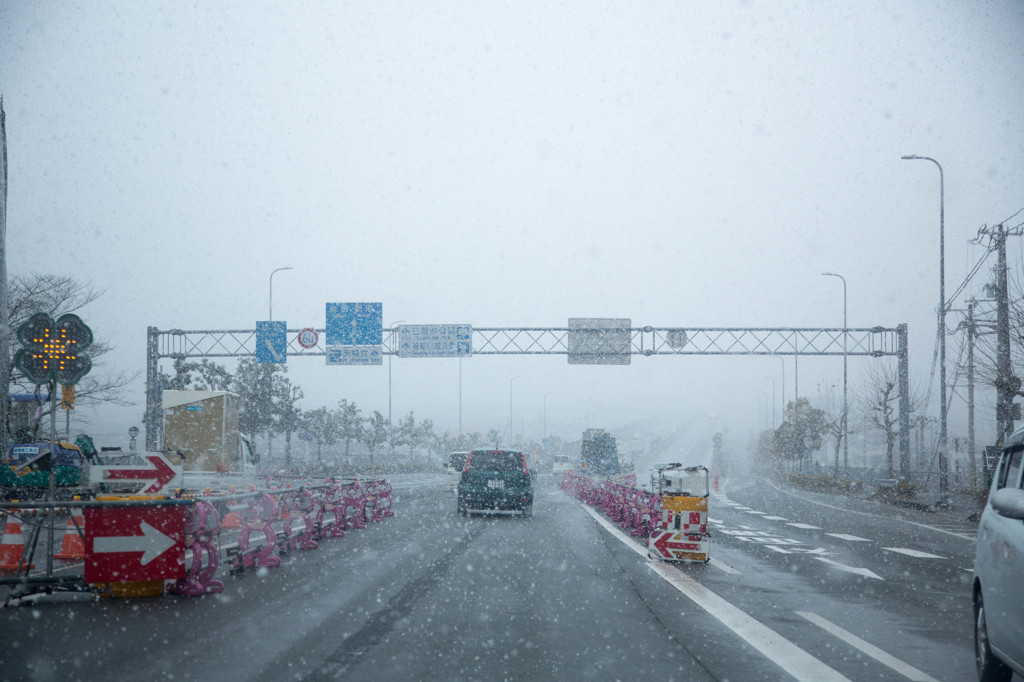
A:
270, 304
270, 318
846, 433
391, 438
510, 409
765, 409
772, 379
943, 464
544, 421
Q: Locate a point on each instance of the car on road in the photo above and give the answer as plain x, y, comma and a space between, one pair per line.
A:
453, 469
495, 480
999, 571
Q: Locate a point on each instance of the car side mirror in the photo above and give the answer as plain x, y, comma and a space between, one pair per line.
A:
1009, 502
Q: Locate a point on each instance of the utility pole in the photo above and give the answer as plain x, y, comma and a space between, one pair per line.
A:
971, 336
1007, 385
5, 302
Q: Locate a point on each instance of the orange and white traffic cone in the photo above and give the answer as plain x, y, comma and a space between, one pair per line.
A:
231, 520
12, 547
72, 547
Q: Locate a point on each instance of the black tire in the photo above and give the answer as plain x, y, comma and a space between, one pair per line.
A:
990, 668
461, 508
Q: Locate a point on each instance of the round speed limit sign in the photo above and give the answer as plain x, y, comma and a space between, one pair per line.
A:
308, 337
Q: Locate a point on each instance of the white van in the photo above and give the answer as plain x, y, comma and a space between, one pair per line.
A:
456, 463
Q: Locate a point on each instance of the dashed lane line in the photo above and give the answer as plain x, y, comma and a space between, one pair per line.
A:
804, 526
857, 570
871, 650
913, 552
776, 648
851, 538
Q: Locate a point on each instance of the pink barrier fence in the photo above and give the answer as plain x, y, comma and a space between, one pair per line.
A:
634, 509
308, 515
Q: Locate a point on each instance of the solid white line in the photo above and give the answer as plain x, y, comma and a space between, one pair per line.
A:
805, 526
851, 538
722, 566
871, 650
774, 647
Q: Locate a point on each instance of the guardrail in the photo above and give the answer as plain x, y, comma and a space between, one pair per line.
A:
270, 522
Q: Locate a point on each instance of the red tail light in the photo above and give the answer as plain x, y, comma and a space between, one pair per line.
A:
468, 457
526, 469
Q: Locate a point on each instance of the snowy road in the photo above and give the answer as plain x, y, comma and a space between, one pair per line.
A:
431, 595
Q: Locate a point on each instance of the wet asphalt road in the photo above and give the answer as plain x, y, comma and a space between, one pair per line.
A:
432, 595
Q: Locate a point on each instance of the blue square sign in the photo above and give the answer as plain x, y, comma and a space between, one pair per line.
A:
271, 343
354, 324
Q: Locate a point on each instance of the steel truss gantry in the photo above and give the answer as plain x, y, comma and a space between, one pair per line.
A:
874, 342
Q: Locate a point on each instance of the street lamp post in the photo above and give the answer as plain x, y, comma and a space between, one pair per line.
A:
765, 409
270, 302
544, 420
391, 438
846, 432
772, 379
270, 318
510, 409
943, 463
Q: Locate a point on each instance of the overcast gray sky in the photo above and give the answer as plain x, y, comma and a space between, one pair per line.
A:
513, 164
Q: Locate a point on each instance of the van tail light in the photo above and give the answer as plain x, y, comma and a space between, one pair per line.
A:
468, 457
526, 469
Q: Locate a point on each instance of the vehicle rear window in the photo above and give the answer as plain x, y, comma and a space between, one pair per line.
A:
496, 460
457, 460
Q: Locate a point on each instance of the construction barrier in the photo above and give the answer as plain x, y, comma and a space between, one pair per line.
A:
305, 515
673, 526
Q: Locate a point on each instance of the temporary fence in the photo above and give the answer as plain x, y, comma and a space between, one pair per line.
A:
671, 525
182, 538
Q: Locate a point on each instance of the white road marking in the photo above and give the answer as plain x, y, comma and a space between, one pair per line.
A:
741, 508
788, 656
871, 650
751, 511
778, 549
711, 520
851, 538
888, 519
775, 518
913, 552
851, 569
805, 526
722, 566
774, 647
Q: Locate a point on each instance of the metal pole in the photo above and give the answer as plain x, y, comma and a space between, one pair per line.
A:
270, 301
765, 409
510, 409
772, 379
544, 421
460, 400
846, 410
391, 439
783, 361
943, 463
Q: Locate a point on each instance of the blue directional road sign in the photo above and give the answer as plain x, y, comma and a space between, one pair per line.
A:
271, 343
354, 324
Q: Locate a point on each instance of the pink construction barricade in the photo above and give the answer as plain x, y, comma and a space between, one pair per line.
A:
329, 502
262, 511
202, 528
297, 505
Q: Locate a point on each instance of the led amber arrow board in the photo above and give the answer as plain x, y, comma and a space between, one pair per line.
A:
54, 350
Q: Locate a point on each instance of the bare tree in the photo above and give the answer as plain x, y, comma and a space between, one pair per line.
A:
880, 401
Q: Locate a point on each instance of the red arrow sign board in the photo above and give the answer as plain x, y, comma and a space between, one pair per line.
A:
130, 544
151, 479
673, 545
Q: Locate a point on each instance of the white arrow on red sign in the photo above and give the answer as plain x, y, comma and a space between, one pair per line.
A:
153, 479
152, 543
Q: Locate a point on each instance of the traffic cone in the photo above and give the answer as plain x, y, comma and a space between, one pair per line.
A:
12, 547
231, 520
72, 547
